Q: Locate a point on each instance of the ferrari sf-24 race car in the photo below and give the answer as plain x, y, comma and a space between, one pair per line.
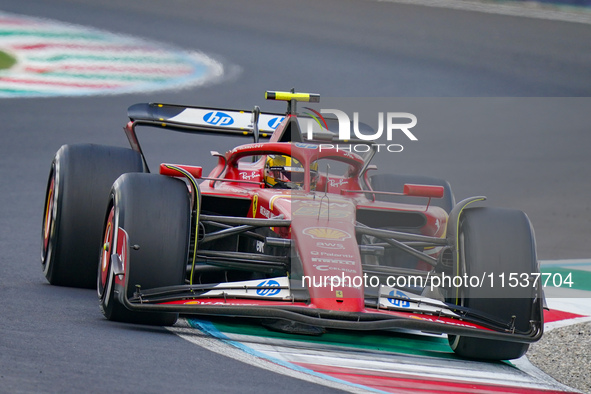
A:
293, 231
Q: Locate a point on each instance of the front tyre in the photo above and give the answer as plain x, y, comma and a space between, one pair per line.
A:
148, 227
496, 241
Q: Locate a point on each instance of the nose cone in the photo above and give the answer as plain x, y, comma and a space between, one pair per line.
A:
328, 251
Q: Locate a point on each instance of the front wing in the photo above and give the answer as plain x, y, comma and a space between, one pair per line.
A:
418, 313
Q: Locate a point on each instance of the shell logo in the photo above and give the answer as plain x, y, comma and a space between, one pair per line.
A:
326, 233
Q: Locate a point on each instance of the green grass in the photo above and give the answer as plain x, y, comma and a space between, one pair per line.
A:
6, 61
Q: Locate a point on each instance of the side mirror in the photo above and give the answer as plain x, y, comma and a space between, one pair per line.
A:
195, 171
423, 191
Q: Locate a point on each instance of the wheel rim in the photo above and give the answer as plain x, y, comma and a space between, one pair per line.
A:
48, 217
105, 259
48, 221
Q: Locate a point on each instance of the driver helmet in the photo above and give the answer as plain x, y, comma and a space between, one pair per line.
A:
284, 172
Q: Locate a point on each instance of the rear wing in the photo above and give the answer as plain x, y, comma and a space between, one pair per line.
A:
199, 120
252, 124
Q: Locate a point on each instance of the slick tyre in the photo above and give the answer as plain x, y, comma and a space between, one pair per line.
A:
77, 194
395, 183
496, 241
148, 227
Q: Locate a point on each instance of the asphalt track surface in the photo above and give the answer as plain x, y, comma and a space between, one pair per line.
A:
55, 339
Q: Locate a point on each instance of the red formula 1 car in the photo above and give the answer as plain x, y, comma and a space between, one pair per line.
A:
293, 231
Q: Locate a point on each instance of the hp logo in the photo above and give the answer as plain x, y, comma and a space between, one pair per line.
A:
398, 301
218, 118
273, 123
268, 292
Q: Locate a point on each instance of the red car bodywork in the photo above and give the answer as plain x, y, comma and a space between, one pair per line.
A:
323, 232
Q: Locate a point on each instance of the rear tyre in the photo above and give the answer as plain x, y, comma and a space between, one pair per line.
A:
152, 213
395, 183
75, 202
496, 241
